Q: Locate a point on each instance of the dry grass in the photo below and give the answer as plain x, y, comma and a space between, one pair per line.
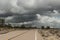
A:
6, 30
48, 34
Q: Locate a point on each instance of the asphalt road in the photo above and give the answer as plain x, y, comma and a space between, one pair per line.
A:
20, 35
32, 34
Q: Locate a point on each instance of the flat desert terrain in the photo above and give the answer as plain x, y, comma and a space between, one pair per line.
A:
32, 34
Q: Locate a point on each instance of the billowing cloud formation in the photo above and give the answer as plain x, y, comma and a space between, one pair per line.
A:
44, 12
23, 6
47, 21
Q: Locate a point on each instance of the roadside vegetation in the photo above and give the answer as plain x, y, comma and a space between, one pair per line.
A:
7, 28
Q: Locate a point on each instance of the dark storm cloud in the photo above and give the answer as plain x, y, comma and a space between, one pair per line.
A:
22, 18
17, 11
29, 6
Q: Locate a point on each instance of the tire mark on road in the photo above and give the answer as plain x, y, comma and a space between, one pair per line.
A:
18, 35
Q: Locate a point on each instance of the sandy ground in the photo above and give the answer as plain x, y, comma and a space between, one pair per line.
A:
49, 34
32, 34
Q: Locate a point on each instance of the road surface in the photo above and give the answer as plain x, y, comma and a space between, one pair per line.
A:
32, 34
20, 35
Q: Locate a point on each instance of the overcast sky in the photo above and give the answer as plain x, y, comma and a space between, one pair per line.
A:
36, 12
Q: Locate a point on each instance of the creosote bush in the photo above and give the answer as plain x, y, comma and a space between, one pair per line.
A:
42, 27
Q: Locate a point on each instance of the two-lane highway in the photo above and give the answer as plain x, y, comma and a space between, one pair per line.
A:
31, 34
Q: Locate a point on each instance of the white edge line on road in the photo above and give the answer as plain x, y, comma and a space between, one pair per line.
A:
36, 35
